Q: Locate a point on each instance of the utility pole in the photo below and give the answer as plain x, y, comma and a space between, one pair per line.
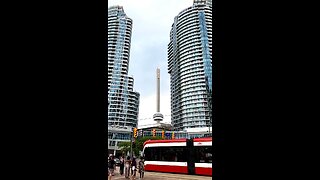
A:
131, 138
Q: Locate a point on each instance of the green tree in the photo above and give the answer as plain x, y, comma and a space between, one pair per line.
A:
124, 147
137, 145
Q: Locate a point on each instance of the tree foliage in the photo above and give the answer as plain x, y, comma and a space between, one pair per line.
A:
124, 147
137, 145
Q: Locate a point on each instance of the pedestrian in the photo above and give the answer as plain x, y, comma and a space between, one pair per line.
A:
107, 167
141, 167
111, 166
121, 165
127, 167
133, 168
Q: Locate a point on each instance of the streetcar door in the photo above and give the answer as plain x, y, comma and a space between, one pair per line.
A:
191, 157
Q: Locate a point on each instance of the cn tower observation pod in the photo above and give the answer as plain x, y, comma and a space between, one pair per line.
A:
158, 116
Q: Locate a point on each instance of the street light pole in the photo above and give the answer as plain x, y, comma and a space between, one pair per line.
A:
131, 137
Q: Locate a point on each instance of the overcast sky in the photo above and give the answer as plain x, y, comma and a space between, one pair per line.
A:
152, 20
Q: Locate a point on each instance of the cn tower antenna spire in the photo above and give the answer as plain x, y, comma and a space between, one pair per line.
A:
158, 116
158, 89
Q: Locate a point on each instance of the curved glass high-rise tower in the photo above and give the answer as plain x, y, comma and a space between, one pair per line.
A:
190, 67
123, 102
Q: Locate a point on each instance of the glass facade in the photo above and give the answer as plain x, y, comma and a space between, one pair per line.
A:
123, 102
177, 135
190, 67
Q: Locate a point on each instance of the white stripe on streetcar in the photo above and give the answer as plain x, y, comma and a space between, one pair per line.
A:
168, 163
208, 143
166, 144
205, 165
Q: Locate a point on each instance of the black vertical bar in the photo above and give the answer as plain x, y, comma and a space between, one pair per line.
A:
131, 138
191, 157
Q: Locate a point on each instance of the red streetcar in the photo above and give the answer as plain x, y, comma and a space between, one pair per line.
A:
186, 156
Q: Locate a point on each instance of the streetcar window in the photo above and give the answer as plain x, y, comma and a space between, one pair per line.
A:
172, 154
204, 154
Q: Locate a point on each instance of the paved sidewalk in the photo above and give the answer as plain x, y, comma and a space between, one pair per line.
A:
161, 176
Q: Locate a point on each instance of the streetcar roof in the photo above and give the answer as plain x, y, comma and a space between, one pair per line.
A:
177, 140
164, 141
202, 139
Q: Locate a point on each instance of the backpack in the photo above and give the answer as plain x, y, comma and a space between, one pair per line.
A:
110, 164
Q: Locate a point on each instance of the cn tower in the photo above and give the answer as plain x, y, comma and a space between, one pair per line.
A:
158, 116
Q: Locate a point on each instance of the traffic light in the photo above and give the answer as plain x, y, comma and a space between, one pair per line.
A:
140, 133
135, 133
172, 135
153, 132
162, 134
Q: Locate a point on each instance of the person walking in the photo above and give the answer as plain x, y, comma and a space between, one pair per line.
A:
141, 168
107, 167
121, 164
133, 168
111, 166
127, 167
